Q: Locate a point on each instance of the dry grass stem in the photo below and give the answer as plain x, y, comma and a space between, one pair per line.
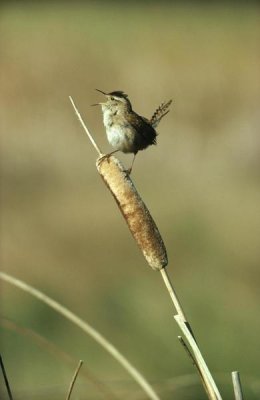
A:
135, 212
237, 386
173, 294
84, 127
210, 384
87, 329
188, 351
5, 379
72, 383
194, 362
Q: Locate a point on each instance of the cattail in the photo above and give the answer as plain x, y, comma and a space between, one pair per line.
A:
135, 212
148, 237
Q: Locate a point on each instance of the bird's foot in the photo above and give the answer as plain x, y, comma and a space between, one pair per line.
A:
128, 171
105, 156
108, 155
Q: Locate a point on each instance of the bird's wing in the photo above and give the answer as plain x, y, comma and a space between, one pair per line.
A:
143, 126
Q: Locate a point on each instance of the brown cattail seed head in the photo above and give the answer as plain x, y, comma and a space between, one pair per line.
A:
135, 212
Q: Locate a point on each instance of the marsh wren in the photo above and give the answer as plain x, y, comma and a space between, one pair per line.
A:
126, 130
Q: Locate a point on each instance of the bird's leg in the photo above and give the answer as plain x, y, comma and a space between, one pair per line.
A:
129, 170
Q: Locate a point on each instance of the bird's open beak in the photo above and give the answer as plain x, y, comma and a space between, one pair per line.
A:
101, 92
99, 104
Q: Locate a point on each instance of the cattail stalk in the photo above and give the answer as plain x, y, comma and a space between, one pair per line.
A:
148, 238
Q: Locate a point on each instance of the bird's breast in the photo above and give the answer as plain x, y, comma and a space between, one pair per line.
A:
108, 117
121, 138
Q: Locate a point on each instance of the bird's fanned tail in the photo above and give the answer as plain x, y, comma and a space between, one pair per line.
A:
161, 111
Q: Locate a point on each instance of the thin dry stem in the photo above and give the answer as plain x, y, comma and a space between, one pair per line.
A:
173, 294
72, 383
5, 379
85, 128
86, 328
194, 362
237, 386
188, 351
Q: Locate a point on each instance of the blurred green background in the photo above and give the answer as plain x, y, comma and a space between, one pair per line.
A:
60, 228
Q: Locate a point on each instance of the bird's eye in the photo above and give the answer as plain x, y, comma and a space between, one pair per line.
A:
112, 98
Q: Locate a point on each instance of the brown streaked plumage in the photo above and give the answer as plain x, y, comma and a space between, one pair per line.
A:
126, 130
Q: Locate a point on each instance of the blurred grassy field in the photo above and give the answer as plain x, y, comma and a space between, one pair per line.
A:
60, 228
